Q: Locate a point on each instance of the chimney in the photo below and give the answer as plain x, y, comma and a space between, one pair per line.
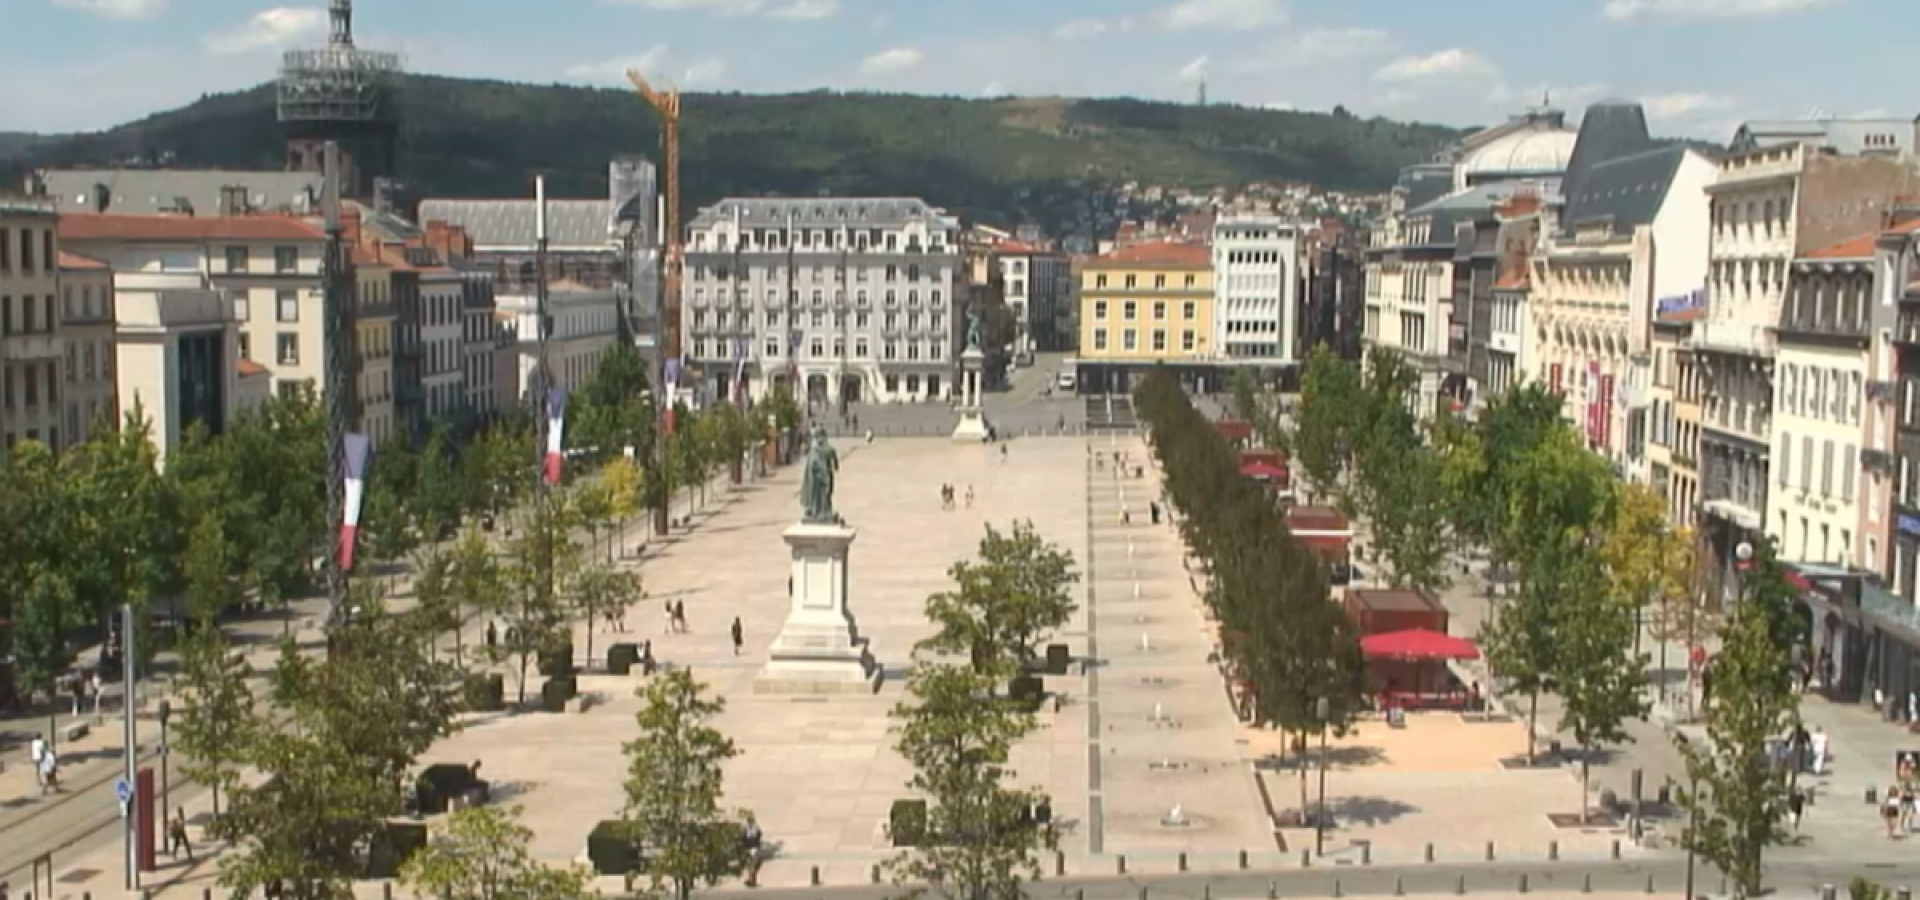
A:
460, 241
1900, 211
350, 224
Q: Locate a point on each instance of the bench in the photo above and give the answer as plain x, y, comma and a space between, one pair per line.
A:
74, 731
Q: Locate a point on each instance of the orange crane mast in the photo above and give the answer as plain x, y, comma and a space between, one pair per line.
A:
667, 104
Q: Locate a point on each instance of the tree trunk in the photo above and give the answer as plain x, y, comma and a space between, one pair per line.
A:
522, 701
459, 639
591, 614
1533, 716
1586, 781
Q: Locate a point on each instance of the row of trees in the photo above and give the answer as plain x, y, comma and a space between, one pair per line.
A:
1291, 650
1590, 559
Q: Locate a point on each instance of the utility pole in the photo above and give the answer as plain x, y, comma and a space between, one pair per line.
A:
130, 746
662, 395
337, 377
543, 387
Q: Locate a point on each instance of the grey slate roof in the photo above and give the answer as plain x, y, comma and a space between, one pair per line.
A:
1425, 183
387, 226
1626, 192
1473, 203
506, 224
148, 192
1847, 137
826, 212
1609, 130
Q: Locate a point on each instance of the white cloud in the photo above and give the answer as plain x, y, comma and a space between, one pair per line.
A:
1080, 30
1450, 63
898, 59
1195, 71
790, 9
994, 91
1228, 15
269, 29
614, 71
1680, 106
1628, 10
806, 10
1279, 106
1396, 98
115, 9
1318, 47
706, 71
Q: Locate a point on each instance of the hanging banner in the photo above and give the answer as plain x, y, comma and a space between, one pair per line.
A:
556, 428
355, 448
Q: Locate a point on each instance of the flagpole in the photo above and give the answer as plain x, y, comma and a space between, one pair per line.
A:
337, 317
543, 388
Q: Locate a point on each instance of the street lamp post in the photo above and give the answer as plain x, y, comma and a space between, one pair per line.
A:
1321, 710
1693, 813
166, 750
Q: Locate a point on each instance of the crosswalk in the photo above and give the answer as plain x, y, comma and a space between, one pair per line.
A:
1110, 413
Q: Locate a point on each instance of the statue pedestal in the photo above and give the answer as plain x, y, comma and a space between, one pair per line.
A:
973, 427
819, 650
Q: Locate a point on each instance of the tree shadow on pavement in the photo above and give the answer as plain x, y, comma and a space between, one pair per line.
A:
1368, 810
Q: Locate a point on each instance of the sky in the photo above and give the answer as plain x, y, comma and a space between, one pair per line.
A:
1700, 66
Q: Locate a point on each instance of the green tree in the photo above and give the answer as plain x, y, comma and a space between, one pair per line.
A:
438, 495
125, 517
1246, 396
592, 505
625, 484
357, 719
598, 590
544, 558
674, 785
1325, 419
208, 568
48, 611
981, 843
476, 580
1601, 678
212, 725
483, 855
1736, 797
1409, 523
1019, 589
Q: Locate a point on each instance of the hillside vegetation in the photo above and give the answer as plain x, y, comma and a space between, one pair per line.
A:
1004, 159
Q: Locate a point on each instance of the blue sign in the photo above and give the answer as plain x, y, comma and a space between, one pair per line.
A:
1689, 300
1909, 524
123, 790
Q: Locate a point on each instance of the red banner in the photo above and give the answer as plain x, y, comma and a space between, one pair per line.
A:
1606, 411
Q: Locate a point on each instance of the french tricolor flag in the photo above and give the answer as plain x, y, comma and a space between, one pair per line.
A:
355, 448
556, 423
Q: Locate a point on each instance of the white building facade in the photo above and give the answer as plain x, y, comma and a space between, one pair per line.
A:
1819, 399
1256, 284
845, 299
586, 325
443, 359
31, 344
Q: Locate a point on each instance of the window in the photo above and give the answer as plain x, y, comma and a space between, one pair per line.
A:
236, 259
289, 349
1130, 310
1129, 340
1186, 341
935, 300
1159, 282
26, 250
1099, 281
1099, 309
286, 260
1132, 281
246, 345
286, 303
6, 250
1159, 340
1099, 339
1159, 310
860, 348
1189, 310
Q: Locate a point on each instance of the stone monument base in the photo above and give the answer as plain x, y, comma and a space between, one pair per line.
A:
819, 650
972, 427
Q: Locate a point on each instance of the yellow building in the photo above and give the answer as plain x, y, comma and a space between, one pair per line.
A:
1141, 306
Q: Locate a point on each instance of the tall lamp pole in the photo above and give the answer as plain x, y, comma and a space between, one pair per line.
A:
337, 322
166, 751
1322, 710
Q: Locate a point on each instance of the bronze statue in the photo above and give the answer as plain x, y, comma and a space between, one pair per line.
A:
816, 481
973, 330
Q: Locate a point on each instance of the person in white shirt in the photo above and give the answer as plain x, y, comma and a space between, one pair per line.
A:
1820, 744
35, 752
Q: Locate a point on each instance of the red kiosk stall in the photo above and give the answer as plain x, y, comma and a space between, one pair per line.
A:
1327, 534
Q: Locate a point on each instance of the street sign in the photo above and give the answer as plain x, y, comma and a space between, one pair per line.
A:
123, 790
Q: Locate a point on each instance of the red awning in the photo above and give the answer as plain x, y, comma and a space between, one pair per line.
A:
1418, 643
1265, 470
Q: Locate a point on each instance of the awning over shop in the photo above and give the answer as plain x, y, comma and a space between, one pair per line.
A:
1264, 471
1417, 643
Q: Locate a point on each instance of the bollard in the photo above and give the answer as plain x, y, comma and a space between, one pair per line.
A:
1489, 851
1079, 894
1649, 884
1523, 882
1366, 853
1616, 848
207, 893
1904, 893
1553, 851
1586, 884
1873, 796
1336, 888
1059, 862
1723, 885
1429, 853
1206, 891
1399, 888
1183, 860
1306, 859
1120, 864
1273, 890
816, 876
1143, 892
1827, 892
386, 891
1460, 885
876, 874
1243, 859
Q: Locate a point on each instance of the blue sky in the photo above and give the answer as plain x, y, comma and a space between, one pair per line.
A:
1701, 66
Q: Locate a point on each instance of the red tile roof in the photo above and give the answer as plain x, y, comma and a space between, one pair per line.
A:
1861, 246
1514, 281
248, 367
1016, 248
1683, 316
1165, 254
112, 227
80, 263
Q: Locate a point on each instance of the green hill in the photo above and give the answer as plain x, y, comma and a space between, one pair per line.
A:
1002, 159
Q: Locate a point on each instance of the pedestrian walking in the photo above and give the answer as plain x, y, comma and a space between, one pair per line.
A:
737, 635
35, 751
177, 835
680, 615
493, 634
1796, 806
672, 619
969, 496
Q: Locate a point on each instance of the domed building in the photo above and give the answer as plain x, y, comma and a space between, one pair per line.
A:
1532, 152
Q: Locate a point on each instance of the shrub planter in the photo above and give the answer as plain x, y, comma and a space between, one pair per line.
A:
557, 661
485, 692
907, 823
556, 692
392, 846
1025, 692
439, 784
621, 658
611, 851
1058, 659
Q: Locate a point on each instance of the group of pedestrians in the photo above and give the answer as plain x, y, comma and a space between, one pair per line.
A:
947, 496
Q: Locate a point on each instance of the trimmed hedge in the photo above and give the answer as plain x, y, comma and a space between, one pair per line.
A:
392, 846
611, 851
484, 692
557, 660
556, 692
907, 822
621, 658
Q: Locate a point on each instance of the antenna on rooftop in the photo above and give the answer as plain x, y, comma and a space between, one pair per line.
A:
1200, 93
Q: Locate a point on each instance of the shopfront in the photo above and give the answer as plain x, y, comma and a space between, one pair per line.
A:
1829, 602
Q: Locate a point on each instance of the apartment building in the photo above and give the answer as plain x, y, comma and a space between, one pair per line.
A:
1143, 306
31, 344
586, 325
1673, 408
372, 344
847, 299
1038, 287
1502, 335
1629, 234
1689, 390
1895, 254
1771, 205
1256, 279
86, 325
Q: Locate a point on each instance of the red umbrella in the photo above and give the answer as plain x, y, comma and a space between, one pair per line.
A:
1418, 643
1265, 470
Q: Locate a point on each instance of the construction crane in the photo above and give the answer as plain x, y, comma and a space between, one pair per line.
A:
667, 104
